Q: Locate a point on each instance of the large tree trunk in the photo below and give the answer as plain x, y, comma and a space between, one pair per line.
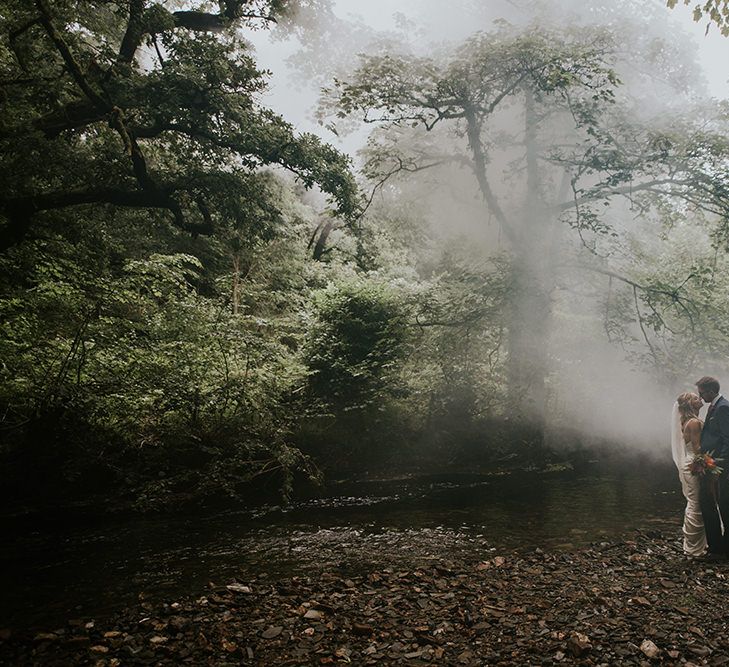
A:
529, 325
530, 314
531, 236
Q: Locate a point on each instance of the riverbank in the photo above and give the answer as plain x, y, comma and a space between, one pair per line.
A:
621, 602
32, 487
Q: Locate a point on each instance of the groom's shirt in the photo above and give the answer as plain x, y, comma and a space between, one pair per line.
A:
715, 434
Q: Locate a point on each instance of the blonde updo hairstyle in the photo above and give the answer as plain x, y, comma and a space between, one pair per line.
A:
685, 409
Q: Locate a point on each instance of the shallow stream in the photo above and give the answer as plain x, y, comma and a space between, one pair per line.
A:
52, 572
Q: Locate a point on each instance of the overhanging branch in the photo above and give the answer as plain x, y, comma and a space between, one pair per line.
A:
598, 193
20, 211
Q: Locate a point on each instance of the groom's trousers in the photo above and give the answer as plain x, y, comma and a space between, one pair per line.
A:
714, 504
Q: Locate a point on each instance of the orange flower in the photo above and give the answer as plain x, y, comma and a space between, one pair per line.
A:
703, 464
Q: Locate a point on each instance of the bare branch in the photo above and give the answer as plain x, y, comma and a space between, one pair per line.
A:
400, 167
642, 328
597, 192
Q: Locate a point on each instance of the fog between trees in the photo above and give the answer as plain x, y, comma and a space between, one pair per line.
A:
661, 90
535, 245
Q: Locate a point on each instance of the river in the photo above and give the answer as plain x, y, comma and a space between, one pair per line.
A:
54, 570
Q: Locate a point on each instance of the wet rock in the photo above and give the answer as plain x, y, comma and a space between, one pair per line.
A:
362, 629
272, 631
239, 588
578, 644
323, 607
179, 623
649, 649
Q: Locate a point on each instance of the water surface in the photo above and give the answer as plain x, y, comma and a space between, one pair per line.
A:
52, 572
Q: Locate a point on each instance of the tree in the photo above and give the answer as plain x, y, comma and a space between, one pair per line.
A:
131, 105
125, 370
153, 245
355, 343
574, 152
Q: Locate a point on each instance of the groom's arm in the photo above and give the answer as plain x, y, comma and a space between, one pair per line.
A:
722, 419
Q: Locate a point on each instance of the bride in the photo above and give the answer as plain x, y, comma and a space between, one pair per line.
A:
685, 442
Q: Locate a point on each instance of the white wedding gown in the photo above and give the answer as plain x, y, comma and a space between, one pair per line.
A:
694, 537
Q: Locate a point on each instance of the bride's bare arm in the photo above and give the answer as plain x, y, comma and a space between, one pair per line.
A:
692, 435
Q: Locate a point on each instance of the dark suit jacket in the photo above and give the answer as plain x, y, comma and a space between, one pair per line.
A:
715, 434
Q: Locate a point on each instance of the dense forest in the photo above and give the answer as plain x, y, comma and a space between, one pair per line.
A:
197, 298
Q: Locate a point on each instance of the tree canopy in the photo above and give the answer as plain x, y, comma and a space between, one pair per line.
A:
553, 141
133, 105
182, 315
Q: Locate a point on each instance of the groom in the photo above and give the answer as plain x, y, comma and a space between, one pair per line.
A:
713, 492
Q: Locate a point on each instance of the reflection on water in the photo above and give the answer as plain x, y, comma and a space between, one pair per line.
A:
54, 572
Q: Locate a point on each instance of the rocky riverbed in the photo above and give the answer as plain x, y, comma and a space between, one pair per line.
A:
635, 601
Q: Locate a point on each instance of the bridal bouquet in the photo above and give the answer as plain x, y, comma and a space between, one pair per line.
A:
705, 464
